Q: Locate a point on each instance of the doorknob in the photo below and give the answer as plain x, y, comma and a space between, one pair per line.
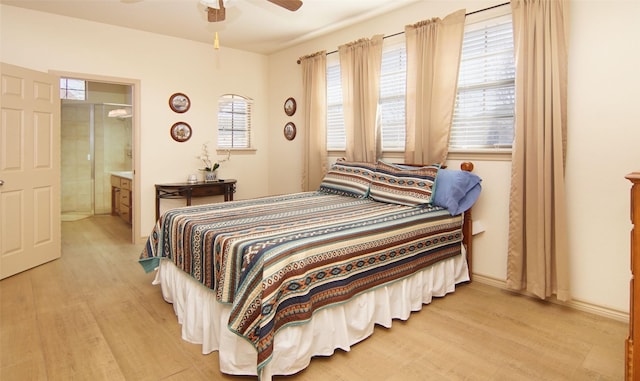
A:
1, 183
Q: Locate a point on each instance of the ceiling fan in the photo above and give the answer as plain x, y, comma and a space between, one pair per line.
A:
216, 10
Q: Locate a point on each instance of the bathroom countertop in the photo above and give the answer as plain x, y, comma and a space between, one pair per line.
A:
125, 174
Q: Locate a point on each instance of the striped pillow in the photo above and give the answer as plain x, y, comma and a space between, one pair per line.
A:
403, 185
348, 179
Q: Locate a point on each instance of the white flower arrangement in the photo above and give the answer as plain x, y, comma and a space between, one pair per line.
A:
210, 165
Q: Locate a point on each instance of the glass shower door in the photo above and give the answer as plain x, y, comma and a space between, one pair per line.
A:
77, 160
112, 150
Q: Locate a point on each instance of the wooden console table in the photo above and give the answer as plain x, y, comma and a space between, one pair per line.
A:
224, 188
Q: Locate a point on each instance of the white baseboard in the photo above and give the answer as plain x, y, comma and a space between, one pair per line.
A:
575, 304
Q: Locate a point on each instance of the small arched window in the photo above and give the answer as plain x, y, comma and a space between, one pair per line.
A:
234, 121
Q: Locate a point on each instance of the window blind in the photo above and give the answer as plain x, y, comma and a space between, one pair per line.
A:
393, 88
336, 139
234, 122
391, 105
484, 111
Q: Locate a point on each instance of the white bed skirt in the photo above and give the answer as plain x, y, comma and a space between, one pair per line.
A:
204, 320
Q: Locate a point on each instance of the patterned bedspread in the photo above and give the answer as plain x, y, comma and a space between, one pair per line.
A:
277, 259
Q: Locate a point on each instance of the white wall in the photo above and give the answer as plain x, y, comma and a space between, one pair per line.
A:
604, 139
163, 65
603, 146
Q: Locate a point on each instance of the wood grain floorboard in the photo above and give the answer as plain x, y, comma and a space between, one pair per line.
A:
94, 315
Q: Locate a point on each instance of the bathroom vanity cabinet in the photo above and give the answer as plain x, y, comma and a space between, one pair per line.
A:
121, 187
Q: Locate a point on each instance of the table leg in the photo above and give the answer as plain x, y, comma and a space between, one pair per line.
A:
157, 204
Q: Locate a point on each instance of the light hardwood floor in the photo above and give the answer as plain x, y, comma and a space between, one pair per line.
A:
94, 315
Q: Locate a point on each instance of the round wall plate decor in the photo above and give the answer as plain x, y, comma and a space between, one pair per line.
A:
290, 131
179, 102
180, 132
290, 106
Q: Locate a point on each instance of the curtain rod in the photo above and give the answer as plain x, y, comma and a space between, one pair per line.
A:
466, 14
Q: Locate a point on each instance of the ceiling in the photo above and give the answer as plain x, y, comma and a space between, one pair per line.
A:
252, 25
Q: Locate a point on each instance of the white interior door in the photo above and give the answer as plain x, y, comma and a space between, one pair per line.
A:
29, 169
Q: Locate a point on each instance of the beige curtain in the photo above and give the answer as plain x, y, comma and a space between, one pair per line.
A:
433, 60
537, 254
314, 83
360, 63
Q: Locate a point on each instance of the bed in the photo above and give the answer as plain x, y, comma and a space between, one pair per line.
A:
271, 282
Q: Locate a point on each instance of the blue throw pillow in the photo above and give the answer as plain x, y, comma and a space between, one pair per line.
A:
456, 190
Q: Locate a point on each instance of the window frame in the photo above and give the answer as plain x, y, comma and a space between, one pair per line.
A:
476, 19
243, 118
68, 92
336, 138
335, 116
500, 151
393, 76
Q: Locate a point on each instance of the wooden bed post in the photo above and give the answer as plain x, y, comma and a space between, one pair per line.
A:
467, 226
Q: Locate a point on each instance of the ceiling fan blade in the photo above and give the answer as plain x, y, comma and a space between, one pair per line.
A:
214, 15
292, 5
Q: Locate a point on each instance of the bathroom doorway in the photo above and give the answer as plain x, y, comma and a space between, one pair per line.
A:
96, 141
